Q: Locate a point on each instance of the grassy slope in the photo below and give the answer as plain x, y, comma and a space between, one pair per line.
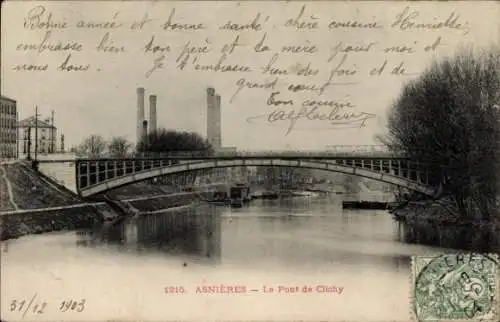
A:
31, 191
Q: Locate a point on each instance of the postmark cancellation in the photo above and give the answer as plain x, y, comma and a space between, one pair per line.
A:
455, 287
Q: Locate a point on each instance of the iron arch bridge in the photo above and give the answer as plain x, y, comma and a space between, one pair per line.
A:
95, 176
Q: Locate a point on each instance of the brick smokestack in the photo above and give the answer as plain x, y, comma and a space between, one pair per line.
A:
210, 114
140, 112
217, 123
152, 113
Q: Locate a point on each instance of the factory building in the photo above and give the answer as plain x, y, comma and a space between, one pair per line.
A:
8, 128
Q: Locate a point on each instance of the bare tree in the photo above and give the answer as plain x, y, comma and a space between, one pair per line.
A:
119, 146
448, 119
92, 146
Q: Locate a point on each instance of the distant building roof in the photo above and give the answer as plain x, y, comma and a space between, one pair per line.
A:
7, 98
30, 122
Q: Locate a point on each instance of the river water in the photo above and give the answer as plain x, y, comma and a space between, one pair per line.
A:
354, 262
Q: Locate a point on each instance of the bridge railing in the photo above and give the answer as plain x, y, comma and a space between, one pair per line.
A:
342, 151
90, 172
357, 148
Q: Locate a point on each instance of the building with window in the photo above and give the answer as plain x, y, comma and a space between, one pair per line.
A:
8, 128
39, 134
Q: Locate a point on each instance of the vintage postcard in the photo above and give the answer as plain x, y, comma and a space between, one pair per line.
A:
250, 161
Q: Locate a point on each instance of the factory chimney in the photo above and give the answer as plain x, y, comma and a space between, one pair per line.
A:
152, 113
140, 112
210, 114
217, 123
144, 129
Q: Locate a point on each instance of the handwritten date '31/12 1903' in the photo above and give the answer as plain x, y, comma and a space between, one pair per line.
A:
36, 306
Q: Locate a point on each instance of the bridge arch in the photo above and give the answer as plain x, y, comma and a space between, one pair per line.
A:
126, 179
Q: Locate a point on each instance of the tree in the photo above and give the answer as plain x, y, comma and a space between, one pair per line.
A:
169, 141
93, 146
119, 147
447, 120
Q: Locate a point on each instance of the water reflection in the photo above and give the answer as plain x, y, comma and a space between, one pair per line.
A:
297, 232
308, 241
311, 233
298, 206
457, 237
192, 231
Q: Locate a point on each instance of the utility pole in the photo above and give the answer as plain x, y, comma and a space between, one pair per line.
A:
17, 138
62, 143
52, 136
29, 142
36, 132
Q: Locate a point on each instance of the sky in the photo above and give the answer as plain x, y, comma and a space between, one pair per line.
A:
103, 99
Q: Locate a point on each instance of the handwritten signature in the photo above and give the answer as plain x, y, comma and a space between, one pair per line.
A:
334, 118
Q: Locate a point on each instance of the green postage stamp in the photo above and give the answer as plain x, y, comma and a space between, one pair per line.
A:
455, 287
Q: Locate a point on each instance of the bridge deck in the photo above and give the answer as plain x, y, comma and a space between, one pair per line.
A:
97, 175
233, 157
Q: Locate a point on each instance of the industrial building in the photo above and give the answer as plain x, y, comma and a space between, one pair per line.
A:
8, 128
145, 126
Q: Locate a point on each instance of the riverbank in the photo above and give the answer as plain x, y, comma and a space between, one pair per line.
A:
32, 203
25, 188
36, 221
430, 223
